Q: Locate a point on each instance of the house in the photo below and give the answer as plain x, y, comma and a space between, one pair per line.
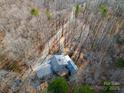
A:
63, 64
58, 64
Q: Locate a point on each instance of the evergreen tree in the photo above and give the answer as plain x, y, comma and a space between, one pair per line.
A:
58, 85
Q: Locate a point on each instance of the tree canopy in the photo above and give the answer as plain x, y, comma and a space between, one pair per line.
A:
103, 9
58, 85
77, 10
35, 12
83, 89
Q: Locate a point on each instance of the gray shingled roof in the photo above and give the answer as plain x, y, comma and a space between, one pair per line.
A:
44, 70
58, 63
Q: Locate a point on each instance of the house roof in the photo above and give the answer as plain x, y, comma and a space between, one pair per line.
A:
71, 66
44, 70
60, 59
58, 63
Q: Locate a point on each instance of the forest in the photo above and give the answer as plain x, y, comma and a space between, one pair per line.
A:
90, 32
